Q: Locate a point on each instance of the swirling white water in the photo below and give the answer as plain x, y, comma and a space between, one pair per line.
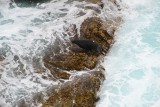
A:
132, 66
133, 63
25, 33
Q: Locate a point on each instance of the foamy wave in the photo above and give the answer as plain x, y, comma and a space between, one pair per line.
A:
25, 34
132, 66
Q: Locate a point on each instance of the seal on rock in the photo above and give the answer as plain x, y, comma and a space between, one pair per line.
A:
89, 46
28, 3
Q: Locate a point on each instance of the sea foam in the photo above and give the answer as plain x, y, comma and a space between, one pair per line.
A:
132, 65
26, 32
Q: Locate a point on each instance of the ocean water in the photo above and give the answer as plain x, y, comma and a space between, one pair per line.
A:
133, 63
25, 34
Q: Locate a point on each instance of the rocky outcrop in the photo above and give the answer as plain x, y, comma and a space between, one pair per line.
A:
79, 73
93, 29
72, 61
94, 1
79, 91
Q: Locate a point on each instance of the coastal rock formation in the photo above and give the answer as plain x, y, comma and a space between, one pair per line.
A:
72, 61
79, 73
94, 1
92, 28
80, 90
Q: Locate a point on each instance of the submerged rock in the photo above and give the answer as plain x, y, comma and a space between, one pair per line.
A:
2, 57
1, 16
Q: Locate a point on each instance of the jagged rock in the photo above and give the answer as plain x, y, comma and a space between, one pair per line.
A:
2, 57
94, 1
80, 92
92, 28
56, 72
96, 9
72, 61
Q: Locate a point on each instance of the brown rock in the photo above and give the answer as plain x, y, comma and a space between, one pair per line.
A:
93, 1
92, 28
80, 92
2, 57
72, 61
56, 72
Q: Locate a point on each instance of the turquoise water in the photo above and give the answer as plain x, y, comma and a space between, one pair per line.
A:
133, 64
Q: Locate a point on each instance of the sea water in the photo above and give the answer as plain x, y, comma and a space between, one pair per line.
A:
133, 63
25, 34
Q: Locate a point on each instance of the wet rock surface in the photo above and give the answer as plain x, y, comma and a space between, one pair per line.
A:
93, 1
79, 72
80, 90
92, 28
72, 61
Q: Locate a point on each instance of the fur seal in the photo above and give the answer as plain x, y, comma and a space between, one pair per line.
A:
27, 3
89, 46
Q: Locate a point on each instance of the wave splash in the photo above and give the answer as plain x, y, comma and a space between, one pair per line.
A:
26, 33
132, 66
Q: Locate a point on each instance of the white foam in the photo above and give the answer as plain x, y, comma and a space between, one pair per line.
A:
132, 65
25, 33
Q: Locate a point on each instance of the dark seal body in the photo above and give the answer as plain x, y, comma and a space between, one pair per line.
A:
27, 3
88, 45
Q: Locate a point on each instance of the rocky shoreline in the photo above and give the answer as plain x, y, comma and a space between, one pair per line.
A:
81, 90
79, 74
